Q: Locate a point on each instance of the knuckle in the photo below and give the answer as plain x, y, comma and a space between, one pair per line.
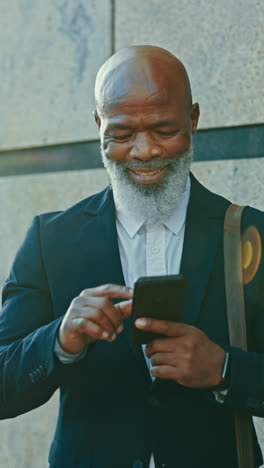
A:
156, 371
155, 360
159, 370
105, 302
81, 324
107, 287
118, 310
83, 293
98, 314
188, 359
76, 301
187, 346
73, 311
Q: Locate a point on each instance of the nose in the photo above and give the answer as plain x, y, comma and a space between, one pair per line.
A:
144, 147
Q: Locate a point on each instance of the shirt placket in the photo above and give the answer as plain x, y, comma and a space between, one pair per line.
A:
155, 250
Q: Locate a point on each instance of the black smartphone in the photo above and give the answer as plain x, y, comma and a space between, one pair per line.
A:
160, 297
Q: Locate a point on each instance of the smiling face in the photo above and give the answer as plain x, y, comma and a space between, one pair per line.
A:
145, 115
143, 134
146, 119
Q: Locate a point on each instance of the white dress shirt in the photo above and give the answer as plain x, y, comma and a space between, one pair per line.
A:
151, 250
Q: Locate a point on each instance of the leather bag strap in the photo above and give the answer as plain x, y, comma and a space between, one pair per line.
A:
236, 320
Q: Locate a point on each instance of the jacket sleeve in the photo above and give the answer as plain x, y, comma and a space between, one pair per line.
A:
246, 391
30, 372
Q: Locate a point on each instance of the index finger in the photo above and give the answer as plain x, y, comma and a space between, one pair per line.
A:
109, 290
163, 327
125, 308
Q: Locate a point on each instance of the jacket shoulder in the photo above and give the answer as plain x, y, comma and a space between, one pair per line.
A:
89, 205
213, 202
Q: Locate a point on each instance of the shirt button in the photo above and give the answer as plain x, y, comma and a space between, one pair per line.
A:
153, 401
137, 464
155, 250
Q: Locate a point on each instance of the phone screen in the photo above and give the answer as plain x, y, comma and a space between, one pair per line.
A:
160, 297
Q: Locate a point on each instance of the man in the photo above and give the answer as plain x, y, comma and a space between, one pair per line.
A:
67, 303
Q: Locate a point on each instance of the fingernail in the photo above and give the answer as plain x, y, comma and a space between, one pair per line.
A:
113, 337
141, 322
120, 329
105, 335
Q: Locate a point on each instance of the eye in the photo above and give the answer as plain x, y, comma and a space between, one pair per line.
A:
168, 134
118, 137
121, 137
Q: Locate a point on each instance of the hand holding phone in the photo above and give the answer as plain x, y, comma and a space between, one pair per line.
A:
160, 297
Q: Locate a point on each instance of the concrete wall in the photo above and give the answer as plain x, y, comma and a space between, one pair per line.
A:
51, 53
53, 49
221, 44
25, 196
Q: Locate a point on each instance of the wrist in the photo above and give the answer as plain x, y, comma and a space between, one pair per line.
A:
71, 347
225, 375
66, 358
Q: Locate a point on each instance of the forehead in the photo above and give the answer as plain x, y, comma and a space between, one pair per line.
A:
138, 96
146, 109
140, 84
144, 105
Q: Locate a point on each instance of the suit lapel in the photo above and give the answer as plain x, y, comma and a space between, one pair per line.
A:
101, 229
203, 233
100, 235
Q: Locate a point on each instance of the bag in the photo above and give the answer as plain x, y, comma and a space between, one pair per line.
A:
237, 321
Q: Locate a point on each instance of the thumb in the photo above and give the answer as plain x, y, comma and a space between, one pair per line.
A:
125, 307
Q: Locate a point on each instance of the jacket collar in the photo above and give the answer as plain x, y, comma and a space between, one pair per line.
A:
100, 202
203, 236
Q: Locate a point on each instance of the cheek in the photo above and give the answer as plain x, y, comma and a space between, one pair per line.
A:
115, 151
178, 145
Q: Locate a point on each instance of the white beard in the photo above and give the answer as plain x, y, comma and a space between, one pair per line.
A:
151, 202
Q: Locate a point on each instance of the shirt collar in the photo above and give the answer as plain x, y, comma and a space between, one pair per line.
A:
174, 222
177, 219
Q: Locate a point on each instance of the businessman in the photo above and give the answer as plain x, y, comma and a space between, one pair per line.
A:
67, 302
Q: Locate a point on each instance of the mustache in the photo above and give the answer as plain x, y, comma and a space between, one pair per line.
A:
147, 164
173, 162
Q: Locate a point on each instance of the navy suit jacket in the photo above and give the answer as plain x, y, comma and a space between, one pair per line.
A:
111, 413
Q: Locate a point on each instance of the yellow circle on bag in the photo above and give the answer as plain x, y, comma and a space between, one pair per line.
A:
251, 253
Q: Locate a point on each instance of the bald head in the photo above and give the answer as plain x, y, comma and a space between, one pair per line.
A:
141, 72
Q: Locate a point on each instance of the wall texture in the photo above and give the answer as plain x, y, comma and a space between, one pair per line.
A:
52, 51
221, 44
28, 195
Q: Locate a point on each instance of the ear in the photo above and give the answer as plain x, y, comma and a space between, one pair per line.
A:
97, 118
195, 113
